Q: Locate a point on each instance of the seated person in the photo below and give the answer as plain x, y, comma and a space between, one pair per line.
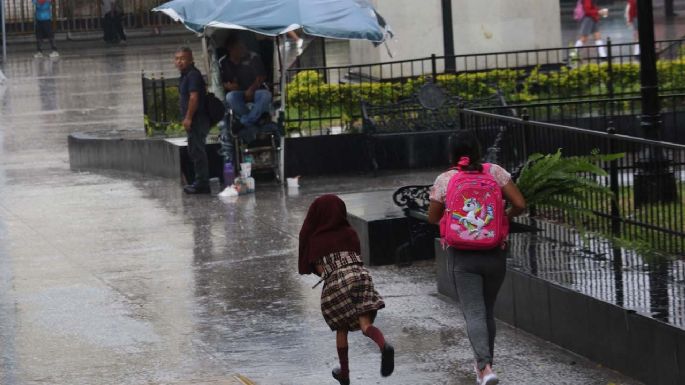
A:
243, 76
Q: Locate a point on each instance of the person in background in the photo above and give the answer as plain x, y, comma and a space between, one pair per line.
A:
192, 91
329, 247
631, 20
243, 76
589, 24
113, 29
668, 9
43, 18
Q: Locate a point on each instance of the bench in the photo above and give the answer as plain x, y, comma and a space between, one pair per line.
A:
414, 202
429, 111
431, 114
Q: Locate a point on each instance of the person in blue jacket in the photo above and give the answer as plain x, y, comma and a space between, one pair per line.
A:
44, 26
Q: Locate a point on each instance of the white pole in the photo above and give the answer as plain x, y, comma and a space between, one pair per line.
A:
205, 53
284, 61
4, 33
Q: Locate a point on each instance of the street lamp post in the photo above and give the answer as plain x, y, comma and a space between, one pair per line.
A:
448, 36
650, 120
653, 181
4, 32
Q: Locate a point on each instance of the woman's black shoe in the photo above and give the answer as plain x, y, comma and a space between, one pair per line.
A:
336, 374
197, 189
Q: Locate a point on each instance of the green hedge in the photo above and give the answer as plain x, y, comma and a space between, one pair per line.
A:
310, 96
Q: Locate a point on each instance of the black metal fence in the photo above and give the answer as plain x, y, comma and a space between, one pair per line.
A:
160, 102
597, 114
324, 97
601, 269
648, 182
587, 92
82, 15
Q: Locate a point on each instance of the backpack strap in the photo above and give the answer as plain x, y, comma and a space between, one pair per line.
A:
486, 168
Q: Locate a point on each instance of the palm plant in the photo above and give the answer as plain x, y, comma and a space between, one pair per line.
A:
565, 182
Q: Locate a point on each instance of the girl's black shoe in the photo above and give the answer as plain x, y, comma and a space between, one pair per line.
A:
336, 374
387, 360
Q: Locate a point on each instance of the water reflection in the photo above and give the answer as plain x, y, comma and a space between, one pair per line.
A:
47, 70
248, 296
8, 321
595, 267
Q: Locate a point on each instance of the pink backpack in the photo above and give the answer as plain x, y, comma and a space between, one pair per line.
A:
474, 217
578, 11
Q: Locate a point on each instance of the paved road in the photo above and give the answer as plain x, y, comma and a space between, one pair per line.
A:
119, 279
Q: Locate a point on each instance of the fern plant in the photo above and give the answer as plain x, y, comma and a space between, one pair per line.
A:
565, 183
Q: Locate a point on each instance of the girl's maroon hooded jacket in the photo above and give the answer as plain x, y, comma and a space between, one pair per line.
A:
325, 230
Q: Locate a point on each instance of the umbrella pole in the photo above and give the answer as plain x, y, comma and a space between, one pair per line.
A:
205, 51
281, 112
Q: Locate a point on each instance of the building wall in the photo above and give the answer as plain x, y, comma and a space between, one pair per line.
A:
478, 27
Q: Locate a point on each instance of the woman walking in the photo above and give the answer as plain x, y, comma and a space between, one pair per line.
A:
589, 24
329, 247
477, 274
631, 21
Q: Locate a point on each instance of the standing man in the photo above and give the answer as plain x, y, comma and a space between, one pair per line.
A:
107, 22
111, 24
192, 90
43, 18
668, 9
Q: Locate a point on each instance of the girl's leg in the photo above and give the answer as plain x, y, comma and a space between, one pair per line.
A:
492, 281
601, 49
469, 285
636, 38
583, 31
371, 331
341, 345
387, 351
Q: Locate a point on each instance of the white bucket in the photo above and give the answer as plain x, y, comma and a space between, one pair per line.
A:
245, 169
293, 182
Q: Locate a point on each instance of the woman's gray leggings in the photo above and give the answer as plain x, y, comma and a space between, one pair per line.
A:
477, 277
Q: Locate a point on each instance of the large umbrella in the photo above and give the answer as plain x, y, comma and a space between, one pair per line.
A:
340, 19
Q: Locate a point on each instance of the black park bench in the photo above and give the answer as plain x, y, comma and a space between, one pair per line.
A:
414, 202
430, 111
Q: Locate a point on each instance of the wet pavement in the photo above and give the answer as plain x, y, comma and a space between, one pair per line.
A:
119, 279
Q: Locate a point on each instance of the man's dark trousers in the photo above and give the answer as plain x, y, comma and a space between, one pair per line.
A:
197, 139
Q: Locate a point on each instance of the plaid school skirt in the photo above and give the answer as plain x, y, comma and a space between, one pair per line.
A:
348, 291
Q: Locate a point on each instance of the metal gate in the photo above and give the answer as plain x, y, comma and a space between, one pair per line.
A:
81, 15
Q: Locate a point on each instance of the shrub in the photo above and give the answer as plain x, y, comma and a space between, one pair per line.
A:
307, 90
